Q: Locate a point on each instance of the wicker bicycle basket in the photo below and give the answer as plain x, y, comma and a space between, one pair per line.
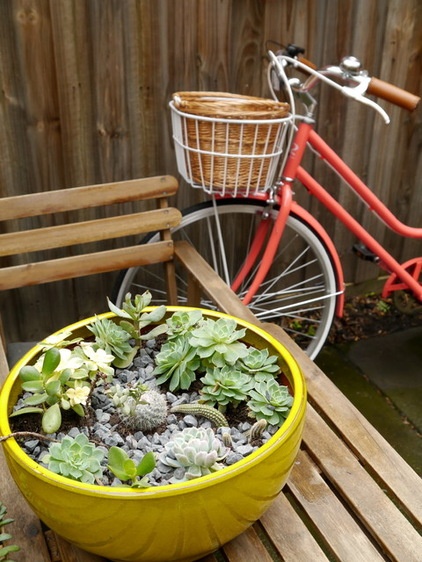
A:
227, 143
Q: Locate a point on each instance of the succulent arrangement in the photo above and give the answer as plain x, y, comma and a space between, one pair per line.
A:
190, 352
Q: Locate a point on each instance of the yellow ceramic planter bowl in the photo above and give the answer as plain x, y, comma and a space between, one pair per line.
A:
178, 522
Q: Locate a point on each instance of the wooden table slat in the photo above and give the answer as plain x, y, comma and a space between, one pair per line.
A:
341, 531
362, 493
289, 534
247, 546
363, 439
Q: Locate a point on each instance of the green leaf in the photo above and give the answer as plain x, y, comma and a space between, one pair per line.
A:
5, 550
146, 465
142, 483
53, 388
155, 315
116, 461
33, 386
118, 311
36, 399
29, 373
26, 411
65, 375
123, 363
157, 331
129, 328
130, 469
5, 537
52, 419
51, 360
78, 409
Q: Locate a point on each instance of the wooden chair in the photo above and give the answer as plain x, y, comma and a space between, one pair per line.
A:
350, 496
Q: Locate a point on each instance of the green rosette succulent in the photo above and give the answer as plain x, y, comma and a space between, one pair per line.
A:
177, 362
260, 364
217, 341
196, 450
76, 458
270, 401
224, 386
181, 323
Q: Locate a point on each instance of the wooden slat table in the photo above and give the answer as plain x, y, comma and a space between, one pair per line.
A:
350, 496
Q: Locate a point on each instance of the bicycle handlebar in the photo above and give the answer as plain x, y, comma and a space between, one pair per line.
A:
393, 94
383, 90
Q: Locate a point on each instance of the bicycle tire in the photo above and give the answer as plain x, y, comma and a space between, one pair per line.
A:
299, 292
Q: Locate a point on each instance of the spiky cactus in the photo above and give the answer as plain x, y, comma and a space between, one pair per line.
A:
140, 408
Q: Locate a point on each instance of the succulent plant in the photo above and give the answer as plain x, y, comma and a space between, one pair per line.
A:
181, 323
140, 408
259, 363
196, 450
135, 318
224, 386
257, 430
149, 412
47, 382
177, 362
120, 395
217, 341
76, 458
113, 339
203, 410
5, 550
125, 468
270, 401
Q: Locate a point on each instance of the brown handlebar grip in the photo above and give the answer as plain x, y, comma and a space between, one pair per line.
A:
393, 94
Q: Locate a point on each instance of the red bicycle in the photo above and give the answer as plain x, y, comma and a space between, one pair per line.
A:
267, 247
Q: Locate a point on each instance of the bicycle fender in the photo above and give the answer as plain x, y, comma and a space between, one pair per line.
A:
335, 259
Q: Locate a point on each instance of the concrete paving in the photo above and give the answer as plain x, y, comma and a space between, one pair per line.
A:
382, 376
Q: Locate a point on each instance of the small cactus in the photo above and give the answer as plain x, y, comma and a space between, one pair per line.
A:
257, 430
140, 408
196, 409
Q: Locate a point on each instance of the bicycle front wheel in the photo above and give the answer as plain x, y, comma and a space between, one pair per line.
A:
299, 292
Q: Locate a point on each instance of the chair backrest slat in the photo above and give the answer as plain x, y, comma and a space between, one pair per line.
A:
87, 231
48, 202
83, 265
22, 261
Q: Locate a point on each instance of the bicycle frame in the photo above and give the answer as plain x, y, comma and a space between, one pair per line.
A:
293, 170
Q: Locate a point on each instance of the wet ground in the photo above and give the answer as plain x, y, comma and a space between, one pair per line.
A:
382, 376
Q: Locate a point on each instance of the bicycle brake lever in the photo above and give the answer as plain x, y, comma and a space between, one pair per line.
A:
357, 93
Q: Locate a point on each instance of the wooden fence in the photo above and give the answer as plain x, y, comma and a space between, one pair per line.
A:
85, 86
